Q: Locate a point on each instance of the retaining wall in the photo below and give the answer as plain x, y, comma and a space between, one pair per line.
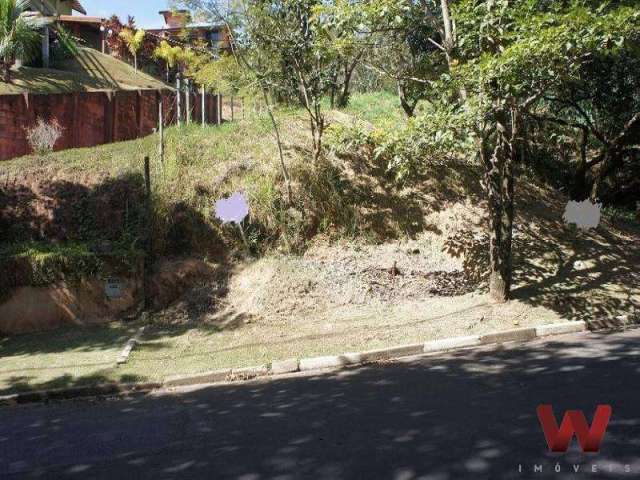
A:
92, 118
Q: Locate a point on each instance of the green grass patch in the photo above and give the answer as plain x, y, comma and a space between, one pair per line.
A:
68, 357
382, 109
88, 71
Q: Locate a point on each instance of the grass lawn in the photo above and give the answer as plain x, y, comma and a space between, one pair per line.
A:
89, 71
231, 341
63, 358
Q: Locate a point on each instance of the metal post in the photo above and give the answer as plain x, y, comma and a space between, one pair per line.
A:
187, 83
204, 110
179, 100
45, 47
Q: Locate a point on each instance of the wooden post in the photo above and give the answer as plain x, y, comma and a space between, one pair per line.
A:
204, 110
139, 118
114, 117
178, 100
219, 108
161, 130
75, 141
148, 234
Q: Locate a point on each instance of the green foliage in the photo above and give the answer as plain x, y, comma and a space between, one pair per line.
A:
169, 54
40, 264
133, 39
19, 36
225, 76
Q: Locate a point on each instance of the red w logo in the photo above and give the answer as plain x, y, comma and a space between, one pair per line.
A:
574, 422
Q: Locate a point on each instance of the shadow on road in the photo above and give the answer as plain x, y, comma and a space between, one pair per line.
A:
471, 414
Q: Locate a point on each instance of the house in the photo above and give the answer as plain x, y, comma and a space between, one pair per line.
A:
179, 28
55, 8
87, 29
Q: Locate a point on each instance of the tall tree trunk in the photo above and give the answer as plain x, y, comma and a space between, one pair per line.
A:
345, 95
499, 182
276, 130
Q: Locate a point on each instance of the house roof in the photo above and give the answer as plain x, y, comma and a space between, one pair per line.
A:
77, 19
49, 8
77, 6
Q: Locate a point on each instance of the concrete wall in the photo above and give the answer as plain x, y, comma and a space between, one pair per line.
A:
91, 118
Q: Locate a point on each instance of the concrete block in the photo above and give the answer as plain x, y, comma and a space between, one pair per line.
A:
516, 335
452, 343
318, 363
285, 366
560, 328
197, 379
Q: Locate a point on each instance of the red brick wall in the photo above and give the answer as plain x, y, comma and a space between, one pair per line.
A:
89, 118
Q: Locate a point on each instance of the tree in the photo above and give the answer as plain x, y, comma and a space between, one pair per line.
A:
601, 108
511, 56
291, 39
19, 37
133, 40
168, 54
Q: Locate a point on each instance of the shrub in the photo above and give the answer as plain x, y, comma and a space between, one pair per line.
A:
44, 135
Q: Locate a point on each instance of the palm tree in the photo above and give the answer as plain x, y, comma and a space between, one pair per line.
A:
133, 40
169, 54
19, 37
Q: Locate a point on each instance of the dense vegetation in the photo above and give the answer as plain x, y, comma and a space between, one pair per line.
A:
510, 91
549, 85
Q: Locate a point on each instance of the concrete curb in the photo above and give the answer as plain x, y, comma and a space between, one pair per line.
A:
128, 348
312, 364
104, 390
206, 377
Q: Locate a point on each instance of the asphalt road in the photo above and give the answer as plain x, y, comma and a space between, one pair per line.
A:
466, 415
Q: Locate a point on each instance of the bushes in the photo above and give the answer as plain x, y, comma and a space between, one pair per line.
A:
435, 137
40, 264
43, 136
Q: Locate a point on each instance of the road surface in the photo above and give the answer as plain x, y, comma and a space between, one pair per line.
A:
467, 415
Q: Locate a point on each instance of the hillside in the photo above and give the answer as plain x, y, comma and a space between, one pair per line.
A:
89, 71
352, 222
361, 260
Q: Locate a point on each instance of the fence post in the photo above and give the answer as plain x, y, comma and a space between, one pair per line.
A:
148, 235
178, 100
161, 129
204, 110
187, 84
219, 108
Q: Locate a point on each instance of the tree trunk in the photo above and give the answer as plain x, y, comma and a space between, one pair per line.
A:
406, 106
343, 99
580, 189
499, 182
276, 130
612, 161
6, 72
